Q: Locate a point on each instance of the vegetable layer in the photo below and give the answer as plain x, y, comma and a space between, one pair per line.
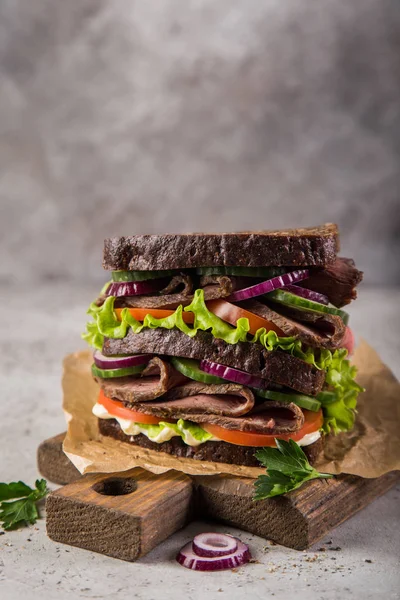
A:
338, 414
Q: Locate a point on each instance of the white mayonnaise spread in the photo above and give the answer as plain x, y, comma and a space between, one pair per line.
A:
132, 428
309, 438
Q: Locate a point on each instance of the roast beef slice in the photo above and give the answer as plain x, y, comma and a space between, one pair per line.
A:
210, 401
312, 328
276, 367
228, 411
177, 281
314, 246
217, 287
338, 281
158, 377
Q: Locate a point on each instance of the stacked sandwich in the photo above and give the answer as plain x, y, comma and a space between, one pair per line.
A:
209, 346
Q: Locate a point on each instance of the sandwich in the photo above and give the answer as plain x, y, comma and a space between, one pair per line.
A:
210, 346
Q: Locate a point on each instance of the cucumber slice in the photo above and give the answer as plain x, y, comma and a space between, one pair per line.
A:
301, 400
267, 272
326, 398
190, 368
118, 276
283, 297
111, 373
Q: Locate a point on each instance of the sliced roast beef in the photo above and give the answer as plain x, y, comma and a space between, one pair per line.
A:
194, 388
167, 301
171, 301
338, 281
199, 405
229, 411
219, 286
210, 402
176, 283
312, 328
277, 367
158, 377
188, 396
226, 284
269, 417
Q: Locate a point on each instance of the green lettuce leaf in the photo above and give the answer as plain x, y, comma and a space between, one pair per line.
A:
340, 377
191, 433
338, 415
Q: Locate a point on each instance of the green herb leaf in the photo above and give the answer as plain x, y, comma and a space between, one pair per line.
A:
287, 469
15, 489
23, 508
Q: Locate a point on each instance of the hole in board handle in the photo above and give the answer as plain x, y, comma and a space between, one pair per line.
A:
115, 486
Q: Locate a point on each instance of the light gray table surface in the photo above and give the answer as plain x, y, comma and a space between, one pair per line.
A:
37, 328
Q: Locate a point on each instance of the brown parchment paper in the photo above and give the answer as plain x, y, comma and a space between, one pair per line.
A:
370, 450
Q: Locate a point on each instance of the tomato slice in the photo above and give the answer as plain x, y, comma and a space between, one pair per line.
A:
313, 421
159, 313
118, 410
231, 313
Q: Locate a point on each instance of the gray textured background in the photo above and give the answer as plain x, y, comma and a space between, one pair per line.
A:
149, 116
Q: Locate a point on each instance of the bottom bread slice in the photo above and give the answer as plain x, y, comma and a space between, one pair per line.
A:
210, 451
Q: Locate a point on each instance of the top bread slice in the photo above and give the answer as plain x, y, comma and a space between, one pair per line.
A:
313, 246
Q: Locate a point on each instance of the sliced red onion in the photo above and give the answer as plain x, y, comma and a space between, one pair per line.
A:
270, 285
136, 288
309, 294
232, 374
119, 362
213, 545
188, 558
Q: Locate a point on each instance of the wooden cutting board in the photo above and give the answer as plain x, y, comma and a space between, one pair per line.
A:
125, 515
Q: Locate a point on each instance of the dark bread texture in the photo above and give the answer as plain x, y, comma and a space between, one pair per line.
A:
209, 451
312, 246
275, 367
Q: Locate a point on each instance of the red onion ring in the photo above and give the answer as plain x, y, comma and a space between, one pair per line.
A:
213, 545
119, 362
188, 558
136, 288
308, 294
232, 374
270, 285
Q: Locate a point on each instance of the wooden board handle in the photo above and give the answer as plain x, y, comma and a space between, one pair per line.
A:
121, 515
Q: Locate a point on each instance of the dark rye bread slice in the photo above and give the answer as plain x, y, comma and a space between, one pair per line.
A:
210, 451
276, 367
313, 246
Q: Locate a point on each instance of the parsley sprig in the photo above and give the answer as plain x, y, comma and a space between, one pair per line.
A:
287, 469
23, 506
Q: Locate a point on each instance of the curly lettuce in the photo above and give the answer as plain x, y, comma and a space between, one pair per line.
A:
339, 413
106, 324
